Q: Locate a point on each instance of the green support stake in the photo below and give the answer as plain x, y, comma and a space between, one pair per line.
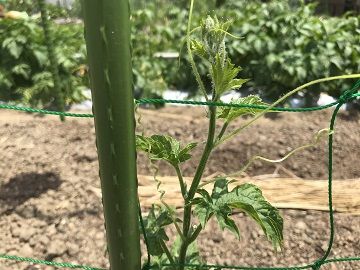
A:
107, 33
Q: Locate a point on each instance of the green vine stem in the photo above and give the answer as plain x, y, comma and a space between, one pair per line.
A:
173, 217
195, 234
167, 252
292, 92
181, 181
319, 135
194, 186
222, 131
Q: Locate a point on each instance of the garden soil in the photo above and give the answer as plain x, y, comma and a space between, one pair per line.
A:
49, 169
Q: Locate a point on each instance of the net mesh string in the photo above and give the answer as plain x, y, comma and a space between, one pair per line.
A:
169, 101
347, 96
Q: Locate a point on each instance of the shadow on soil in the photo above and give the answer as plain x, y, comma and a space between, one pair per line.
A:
25, 186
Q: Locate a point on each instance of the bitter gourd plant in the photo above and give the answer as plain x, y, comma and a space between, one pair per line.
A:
208, 43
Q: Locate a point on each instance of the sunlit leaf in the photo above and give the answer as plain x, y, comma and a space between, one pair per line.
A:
161, 147
41, 57
231, 113
192, 254
23, 70
157, 219
223, 75
198, 49
247, 198
14, 49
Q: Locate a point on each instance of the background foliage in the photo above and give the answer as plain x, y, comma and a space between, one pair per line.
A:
283, 45
24, 65
293, 47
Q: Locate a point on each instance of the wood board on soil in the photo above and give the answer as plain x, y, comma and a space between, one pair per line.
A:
48, 172
284, 193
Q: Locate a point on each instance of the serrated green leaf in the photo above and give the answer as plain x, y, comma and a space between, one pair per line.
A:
23, 70
203, 213
213, 34
164, 219
192, 254
231, 113
205, 195
337, 62
202, 209
226, 222
249, 198
196, 201
154, 242
220, 188
4, 80
41, 57
206, 205
157, 219
14, 49
185, 151
198, 49
223, 75
161, 147
258, 45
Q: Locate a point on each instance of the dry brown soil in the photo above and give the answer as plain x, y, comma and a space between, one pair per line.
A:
48, 209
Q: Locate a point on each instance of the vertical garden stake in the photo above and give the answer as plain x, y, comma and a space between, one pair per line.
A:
107, 33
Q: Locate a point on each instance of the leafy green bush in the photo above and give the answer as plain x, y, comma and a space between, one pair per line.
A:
283, 47
24, 65
152, 31
163, 30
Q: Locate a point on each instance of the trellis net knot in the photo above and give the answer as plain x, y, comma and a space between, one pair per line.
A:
317, 265
348, 95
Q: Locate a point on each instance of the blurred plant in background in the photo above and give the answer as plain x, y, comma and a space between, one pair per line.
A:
31, 7
283, 44
283, 47
24, 75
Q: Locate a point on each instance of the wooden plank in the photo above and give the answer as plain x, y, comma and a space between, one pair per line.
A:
286, 193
